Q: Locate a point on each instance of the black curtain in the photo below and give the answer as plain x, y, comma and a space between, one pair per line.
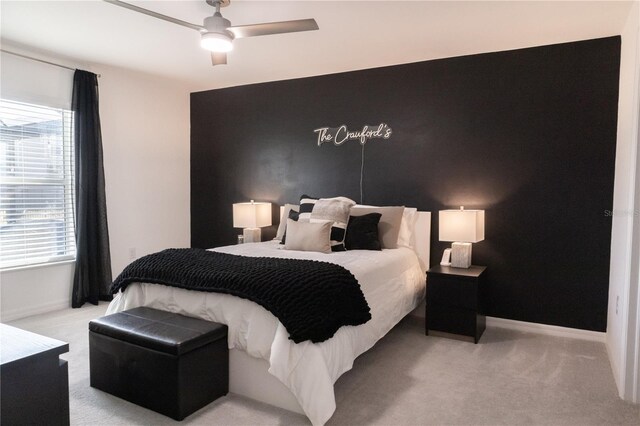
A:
92, 276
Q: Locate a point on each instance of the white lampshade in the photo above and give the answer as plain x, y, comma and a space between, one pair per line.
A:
251, 215
461, 225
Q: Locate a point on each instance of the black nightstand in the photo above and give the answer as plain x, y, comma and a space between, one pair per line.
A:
455, 302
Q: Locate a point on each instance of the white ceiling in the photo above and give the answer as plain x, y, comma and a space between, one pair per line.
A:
352, 35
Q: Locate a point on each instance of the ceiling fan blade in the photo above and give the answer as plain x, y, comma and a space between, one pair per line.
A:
156, 15
269, 28
218, 58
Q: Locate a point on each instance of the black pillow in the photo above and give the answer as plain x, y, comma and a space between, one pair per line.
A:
362, 232
293, 215
306, 206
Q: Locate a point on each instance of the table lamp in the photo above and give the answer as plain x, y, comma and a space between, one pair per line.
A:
251, 216
462, 227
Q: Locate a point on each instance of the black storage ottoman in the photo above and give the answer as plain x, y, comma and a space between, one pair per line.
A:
169, 363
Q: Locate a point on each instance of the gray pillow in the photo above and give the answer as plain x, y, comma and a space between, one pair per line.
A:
283, 220
306, 236
389, 225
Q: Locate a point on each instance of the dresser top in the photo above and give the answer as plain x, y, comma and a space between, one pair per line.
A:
17, 344
473, 271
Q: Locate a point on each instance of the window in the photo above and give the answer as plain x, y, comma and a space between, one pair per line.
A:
36, 184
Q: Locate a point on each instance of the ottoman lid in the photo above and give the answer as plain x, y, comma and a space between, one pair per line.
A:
167, 332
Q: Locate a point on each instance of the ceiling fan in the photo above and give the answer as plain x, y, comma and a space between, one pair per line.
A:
217, 34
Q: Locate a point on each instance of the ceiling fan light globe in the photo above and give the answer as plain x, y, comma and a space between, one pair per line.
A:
216, 42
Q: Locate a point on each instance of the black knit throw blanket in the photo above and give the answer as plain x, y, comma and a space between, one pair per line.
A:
311, 299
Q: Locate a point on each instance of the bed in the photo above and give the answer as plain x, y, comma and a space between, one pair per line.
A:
264, 364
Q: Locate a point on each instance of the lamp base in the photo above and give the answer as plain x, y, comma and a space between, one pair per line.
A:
252, 235
461, 255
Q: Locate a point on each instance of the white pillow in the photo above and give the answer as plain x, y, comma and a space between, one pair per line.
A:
335, 211
406, 237
283, 220
306, 236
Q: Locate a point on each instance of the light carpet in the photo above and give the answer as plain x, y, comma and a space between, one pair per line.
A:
508, 378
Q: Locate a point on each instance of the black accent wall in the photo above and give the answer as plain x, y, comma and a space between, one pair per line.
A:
528, 135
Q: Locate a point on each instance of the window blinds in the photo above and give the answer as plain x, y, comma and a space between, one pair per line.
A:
36, 184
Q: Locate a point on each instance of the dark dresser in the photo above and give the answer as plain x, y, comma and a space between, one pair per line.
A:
34, 381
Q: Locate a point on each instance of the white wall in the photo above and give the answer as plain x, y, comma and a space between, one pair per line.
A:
34, 290
146, 134
635, 395
621, 301
145, 131
631, 389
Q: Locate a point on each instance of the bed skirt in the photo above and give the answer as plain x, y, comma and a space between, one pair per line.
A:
250, 377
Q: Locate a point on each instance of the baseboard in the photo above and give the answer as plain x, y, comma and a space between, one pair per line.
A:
14, 314
549, 330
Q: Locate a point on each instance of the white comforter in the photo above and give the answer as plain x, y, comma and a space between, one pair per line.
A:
391, 280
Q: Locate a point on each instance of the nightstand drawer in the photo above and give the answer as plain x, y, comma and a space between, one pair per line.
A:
451, 319
454, 302
452, 292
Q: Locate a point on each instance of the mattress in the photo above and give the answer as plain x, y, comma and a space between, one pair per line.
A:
391, 280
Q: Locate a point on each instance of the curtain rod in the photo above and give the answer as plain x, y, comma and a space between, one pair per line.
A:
39, 60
